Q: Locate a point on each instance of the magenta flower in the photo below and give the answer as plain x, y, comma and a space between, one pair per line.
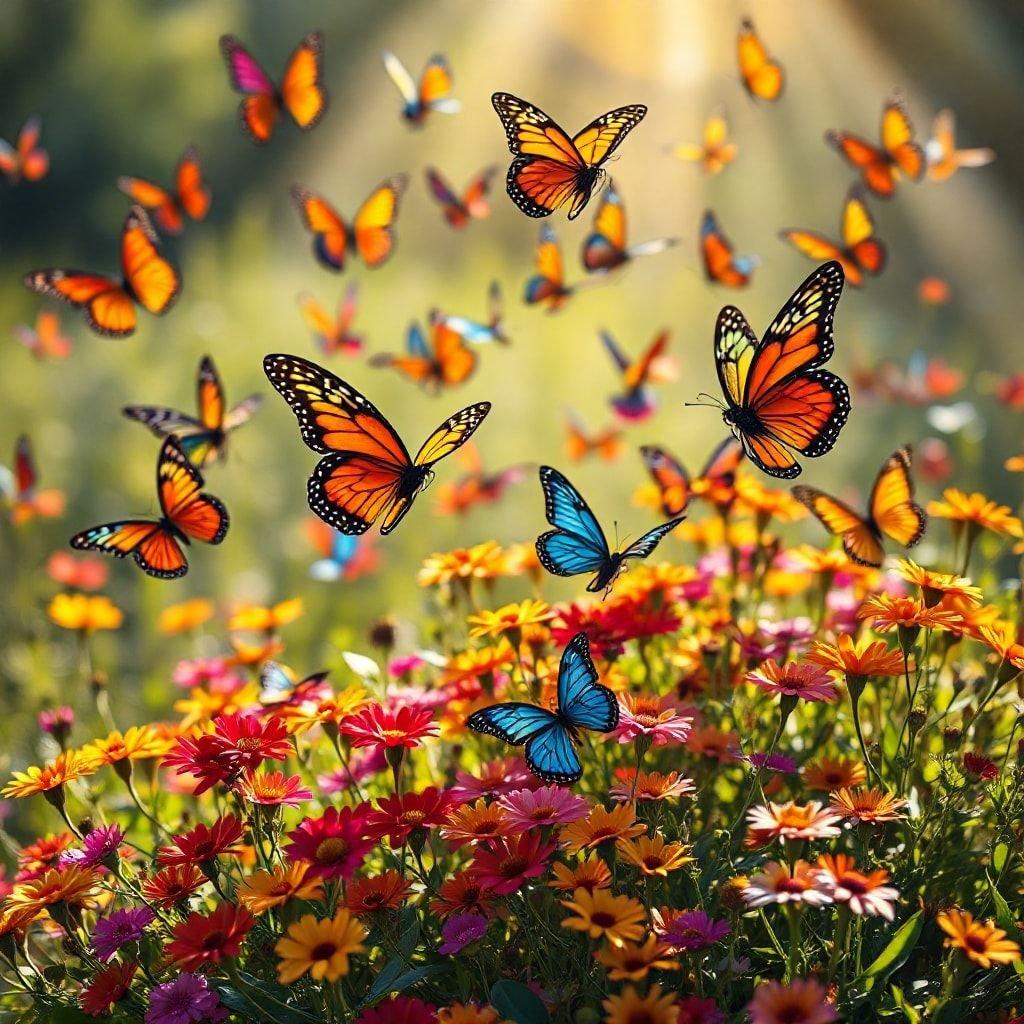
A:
216, 674
548, 805
770, 762
688, 931
119, 928
187, 999
807, 682
495, 778
459, 931
99, 845
694, 1010
660, 719
334, 845
57, 722
362, 765
404, 666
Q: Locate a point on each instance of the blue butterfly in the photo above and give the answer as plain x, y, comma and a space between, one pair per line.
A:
550, 736
475, 332
342, 550
278, 685
578, 544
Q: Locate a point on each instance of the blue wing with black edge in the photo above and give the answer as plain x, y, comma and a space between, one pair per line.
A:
577, 544
416, 343
551, 756
643, 546
565, 554
512, 722
582, 701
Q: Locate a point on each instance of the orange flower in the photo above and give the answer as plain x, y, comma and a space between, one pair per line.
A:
871, 806
634, 961
71, 887
654, 856
631, 1007
386, 891
939, 585
254, 618
263, 890
482, 562
767, 502
829, 775
981, 942
601, 826
184, 617
475, 822
616, 919
140, 742
976, 511
709, 741
512, 618
64, 768
590, 874
85, 613
887, 613
863, 657
469, 666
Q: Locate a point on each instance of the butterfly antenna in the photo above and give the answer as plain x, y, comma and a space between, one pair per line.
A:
710, 402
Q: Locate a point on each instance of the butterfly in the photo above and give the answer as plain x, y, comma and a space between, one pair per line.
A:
547, 286
942, 156
46, 340
551, 736
860, 252
26, 499
637, 401
26, 161
432, 95
721, 266
186, 514
550, 169
778, 400
715, 152
367, 473
675, 486
476, 486
577, 543
605, 247
342, 557
148, 280
473, 331
472, 206
335, 335
302, 94
762, 76
445, 362
371, 233
880, 165
203, 438
279, 686
891, 512
579, 442
922, 381
191, 195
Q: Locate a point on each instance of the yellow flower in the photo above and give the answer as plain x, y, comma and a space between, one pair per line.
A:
72, 886
321, 948
767, 502
254, 618
64, 768
510, 618
262, 890
186, 616
617, 919
601, 826
630, 1007
468, 1013
977, 511
483, 562
85, 613
634, 961
654, 856
140, 742
590, 874
205, 705
981, 942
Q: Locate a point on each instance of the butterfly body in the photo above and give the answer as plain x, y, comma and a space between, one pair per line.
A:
637, 400
471, 205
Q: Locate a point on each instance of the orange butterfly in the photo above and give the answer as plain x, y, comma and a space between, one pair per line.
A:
472, 206
778, 401
46, 340
550, 169
371, 234
147, 280
605, 247
721, 265
475, 331
191, 195
943, 158
334, 335
367, 473
637, 400
579, 442
715, 153
763, 77
860, 252
891, 512
185, 514
445, 362
25, 498
547, 287
302, 93
27, 161
430, 95
476, 486
676, 487
879, 166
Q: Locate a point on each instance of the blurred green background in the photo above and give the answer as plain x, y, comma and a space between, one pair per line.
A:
123, 86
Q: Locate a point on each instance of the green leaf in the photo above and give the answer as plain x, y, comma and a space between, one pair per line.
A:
410, 932
395, 978
901, 1001
515, 1002
952, 1012
999, 855
234, 1000
1005, 920
891, 958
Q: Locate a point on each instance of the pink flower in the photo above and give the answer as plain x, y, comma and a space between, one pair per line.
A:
503, 866
688, 931
404, 666
334, 844
808, 682
460, 930
802, 1001
658, 718
548, 805
377, 726
694, 1010
505, 775
216, 674
362, 765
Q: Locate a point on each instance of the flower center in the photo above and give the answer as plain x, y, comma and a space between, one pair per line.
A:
323, 951
602, 919
332, 850
215, 940
512, 866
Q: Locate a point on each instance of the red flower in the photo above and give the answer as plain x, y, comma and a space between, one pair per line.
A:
463, 893
206, 758
106, 988
203, 939
503, 866
398, 817
399, 1010
251, 740
335, 844
377, 726
173, 885
980, 766
203, 843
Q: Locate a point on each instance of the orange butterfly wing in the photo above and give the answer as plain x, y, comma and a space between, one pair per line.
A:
455, 361
671, 477
209, 396
898, 140
156, 199
302, 90
893, 508
150, 279
193, 192
330, 233
872, 162
107, 306
762, 77
860, 540
179, 486
373, 226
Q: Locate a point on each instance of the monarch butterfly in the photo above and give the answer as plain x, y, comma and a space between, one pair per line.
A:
778, 400
371, 233
480, 333
26, 161
367, 473
715, 152
879, 166
942, 156
547, 287
580, 442
341, 557
550, 169
860, 252
605, 247
476, 486
762, 76
46, 340
432, 94
302, 93
191, 195
203, 438
334, 335
109, 306
185, 514
472, 206
721, 266
637, 400
26, 500
891, 511
445, 362
676, 487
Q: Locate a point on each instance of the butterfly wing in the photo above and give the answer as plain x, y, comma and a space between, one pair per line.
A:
25, 475
547, 283
179, 486
455, 362
34, 162
154, 549
155, 199
108, 308
151, 280
723, 462
873, 163
892, 504
451, 206
581, 700
720, 266
330, 234
373, 227
577, 544
866, 253
474, 199
605, 247
452, 434
398, 74
898, 140
302, 89
209, 395
435, 87
860, 539
192, 191
645, 544
513, 722
762, 77
551, 756
258, 109
596, 143
319, 322
671, 477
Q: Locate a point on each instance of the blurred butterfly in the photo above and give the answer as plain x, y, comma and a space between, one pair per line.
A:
860, 252
579, 442
551, 736
721, 266
343, 557
473, 331
547, 287
279, 686
675, 486
891, 512
942, 156
778, 400
20, 488
923, 380
472, 206
577, 543
371, 233
191, 195
147, 280
715, 152
46, 340
367, 473
204, 437
762, 76
335, 335
186, 514
26, 161
302, 94
637, 400
432, 95
476, 486
880, 166
445, 362
550, 169
605, 247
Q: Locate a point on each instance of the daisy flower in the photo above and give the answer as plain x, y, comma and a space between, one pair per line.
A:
868, 806
777, 883
806, 682
617, 919
548, 805
790, 821
802, 1001
864, 894
319, 948
688, 931
658, 719
981, 942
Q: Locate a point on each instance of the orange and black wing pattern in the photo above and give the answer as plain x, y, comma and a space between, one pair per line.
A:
671, 478
721, 264
190, 196
762, 76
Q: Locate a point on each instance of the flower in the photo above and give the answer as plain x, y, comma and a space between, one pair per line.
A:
590, 874
78, 572
334, 844
460, 930
400, 815
399, 1010
977, 511
886, 613
601, 826
630, 1007
484, 561
118, 929
64, 768
937, 585
633, 961
656, 718
688, 931
806, 682
173, 885
980, 767
140, 742
97, 848
505, 775
694, 1010
777, 883
272, 789
56, 722
68, 887
319, 948
185, 616
461, 893
510, 619
386, 891
203, 939
467, 1013
828, 774
838, 876
84, 613
187, 999
870, 806
980, 941
377, 726
107, 987
654, 856
263, 890
617, 919
863, 657
254, 618
204, 843
42, 854
246, 740
476, 822
548, 805
651, 786
790, 821
502, 866
802, 1001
